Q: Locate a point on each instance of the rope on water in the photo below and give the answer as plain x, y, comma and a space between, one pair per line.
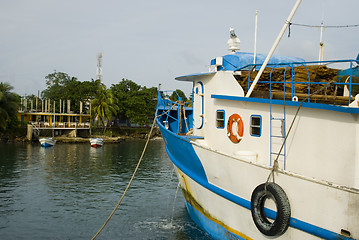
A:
129, 183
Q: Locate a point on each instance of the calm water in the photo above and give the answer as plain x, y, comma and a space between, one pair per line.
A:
68, 191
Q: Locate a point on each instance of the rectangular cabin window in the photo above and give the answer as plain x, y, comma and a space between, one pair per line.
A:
256, 125
220, 118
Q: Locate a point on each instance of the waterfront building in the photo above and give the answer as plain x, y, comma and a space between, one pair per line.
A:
51, 121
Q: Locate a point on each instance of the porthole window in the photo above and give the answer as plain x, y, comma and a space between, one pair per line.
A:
256, 125
220, 118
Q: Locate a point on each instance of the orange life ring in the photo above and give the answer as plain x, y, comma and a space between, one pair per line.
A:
235, 128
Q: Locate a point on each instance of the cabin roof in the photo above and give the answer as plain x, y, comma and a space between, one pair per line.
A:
238, 60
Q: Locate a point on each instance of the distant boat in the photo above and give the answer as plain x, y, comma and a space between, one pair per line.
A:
96, 142
47, 142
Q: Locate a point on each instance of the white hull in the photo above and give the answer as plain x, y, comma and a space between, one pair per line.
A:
308, 197
47, 142
96, 142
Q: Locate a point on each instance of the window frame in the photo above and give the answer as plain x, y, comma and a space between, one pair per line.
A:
252, 126
218, 119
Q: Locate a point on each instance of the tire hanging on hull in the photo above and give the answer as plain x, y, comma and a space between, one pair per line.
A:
259, 196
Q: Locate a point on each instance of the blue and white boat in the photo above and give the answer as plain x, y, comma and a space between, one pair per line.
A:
262, 158
47, 142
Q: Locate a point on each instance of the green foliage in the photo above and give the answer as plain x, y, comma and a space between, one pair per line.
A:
60, 86
9, 104
179, 93
125, 100
135, 103
104, 105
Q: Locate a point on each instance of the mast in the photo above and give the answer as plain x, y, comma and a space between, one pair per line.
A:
280, 35
255, 38
321, 44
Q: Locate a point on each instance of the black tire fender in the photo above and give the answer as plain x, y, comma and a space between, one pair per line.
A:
259, 196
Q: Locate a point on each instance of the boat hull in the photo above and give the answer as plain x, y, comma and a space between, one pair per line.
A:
47, 142
96, 142
223, 208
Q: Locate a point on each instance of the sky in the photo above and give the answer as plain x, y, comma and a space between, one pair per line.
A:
153, 41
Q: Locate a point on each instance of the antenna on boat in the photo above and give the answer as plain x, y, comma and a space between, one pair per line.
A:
255, 39
321, 44
233, 42
280, 35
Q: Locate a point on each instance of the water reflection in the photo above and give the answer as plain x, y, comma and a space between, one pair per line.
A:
68, 191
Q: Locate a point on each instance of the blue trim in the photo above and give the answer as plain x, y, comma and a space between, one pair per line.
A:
213, 229
288, 103
224, 117
218, 232
202, 103
183, 155
238, 60
46, 145
260, 126
183, 150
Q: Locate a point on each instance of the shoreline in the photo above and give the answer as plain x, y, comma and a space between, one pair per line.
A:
87, 139
67, 139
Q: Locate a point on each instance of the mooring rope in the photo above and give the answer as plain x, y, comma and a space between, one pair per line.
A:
129, 183
275, 163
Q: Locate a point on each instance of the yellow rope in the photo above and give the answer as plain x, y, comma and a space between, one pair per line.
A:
129, 183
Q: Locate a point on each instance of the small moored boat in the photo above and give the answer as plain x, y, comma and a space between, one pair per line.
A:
96, 142
47, 142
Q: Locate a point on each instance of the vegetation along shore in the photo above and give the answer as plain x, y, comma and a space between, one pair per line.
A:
125, 110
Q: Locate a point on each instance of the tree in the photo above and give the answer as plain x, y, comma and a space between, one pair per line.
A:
103, 106
56, 84
60, 86
136, 103
9, 105
178, 93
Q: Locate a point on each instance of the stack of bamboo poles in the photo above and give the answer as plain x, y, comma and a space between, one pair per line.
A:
305, 81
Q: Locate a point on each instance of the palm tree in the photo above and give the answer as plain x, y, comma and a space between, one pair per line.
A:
103, 106
9, 104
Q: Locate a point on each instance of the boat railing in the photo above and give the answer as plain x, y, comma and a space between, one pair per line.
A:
170, 112
38, 125
312, 81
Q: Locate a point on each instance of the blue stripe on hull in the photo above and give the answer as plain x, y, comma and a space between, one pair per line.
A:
46, 145
289, 103
213, 229
183, 155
